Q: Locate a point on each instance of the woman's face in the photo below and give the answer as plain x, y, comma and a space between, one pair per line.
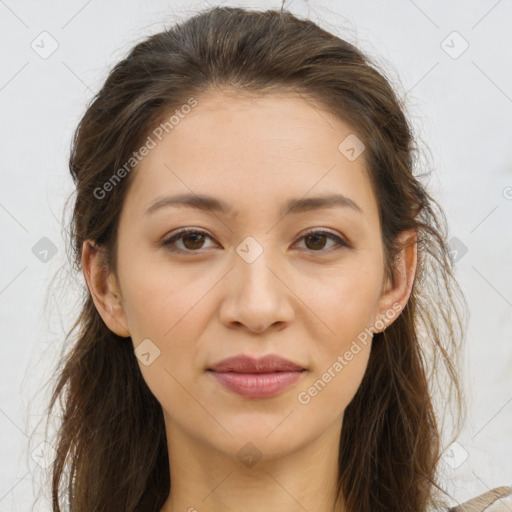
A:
254, 279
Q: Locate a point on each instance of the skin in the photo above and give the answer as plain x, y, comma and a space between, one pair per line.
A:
304, 300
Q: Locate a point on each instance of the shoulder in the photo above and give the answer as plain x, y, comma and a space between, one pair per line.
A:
498, 499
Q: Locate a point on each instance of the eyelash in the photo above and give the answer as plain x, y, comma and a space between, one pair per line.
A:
168, 242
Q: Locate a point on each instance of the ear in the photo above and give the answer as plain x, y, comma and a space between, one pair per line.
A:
104, 288
395, 295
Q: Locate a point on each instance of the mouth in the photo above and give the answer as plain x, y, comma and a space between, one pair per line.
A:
256, 378
247, 364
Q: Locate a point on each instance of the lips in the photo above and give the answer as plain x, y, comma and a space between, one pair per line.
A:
256, 378
246, 364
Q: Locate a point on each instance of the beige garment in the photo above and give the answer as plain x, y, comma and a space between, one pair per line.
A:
498, 499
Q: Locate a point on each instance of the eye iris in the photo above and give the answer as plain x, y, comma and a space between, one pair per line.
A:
197, 244
316, 237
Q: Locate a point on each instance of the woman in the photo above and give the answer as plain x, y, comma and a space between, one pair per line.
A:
270, 300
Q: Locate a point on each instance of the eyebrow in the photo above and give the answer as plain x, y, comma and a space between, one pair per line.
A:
292, 206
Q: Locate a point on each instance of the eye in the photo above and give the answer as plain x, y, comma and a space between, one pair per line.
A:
192, 240
317, 240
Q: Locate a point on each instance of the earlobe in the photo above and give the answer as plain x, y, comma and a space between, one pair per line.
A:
395, 297
103, 287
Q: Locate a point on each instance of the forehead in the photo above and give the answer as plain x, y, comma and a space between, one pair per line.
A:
250, 151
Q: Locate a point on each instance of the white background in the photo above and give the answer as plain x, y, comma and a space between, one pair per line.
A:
462, 108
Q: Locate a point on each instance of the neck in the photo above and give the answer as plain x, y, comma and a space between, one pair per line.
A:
207, 480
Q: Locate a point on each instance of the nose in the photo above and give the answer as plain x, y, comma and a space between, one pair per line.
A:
256, 295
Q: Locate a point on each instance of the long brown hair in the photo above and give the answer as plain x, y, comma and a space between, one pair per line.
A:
111, 445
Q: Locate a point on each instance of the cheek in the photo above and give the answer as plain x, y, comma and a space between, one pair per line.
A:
329, 392
346, 298
346, 302
159, 297
340, 359
168, 305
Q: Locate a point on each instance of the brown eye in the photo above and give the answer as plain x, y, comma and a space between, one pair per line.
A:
316, 240
191, 241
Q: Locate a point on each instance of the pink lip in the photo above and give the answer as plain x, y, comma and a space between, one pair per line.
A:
256, 378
